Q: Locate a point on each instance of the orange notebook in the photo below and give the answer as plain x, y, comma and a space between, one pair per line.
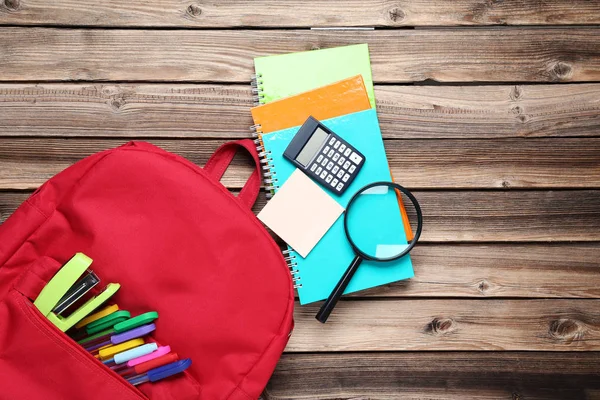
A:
344, 97
340, 98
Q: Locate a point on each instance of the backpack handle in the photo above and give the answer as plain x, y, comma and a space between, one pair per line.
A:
218, 163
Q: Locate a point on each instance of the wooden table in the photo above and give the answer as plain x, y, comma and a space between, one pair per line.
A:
490, 111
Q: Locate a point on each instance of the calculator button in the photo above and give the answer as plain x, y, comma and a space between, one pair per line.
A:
330, 154
329, 178
318, 171
347, 165
352, 169
313, 167
339, 186
319, 158
340, 173
335, 169
355, 158
336, 145
330, 165
334, 182
332, 141
346, 177
336, 156
342, 147
341, 161
324, 161
323, 174
347, 152
326, 149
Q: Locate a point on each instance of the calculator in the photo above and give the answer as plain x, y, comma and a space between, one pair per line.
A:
324, 156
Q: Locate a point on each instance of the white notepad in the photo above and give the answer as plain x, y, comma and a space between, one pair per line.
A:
301, 212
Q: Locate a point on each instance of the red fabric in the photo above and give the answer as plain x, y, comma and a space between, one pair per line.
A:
178, 243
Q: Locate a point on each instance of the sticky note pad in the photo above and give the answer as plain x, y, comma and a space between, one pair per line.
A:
301, 212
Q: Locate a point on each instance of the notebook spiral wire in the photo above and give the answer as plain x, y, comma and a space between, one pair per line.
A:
269, 174
289, 256
257, 91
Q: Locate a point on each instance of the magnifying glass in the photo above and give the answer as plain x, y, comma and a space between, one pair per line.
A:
375, 229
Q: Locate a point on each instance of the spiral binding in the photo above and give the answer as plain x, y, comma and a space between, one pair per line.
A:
257, 94
289, 256
270, 176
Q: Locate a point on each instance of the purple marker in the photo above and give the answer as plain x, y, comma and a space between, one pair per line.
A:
123, 337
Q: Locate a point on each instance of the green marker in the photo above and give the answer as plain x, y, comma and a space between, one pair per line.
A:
142, 319
107, 322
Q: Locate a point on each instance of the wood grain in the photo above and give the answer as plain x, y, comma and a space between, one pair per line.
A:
405, 112
464, 55
267, 13
480, 271
439, 376
425, 325
25, 163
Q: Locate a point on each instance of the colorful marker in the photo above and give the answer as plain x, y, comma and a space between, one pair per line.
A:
136, 352
96, 316
161, 372
161, 351
139, 320
110, 351
107, 322
148, 365
123, 337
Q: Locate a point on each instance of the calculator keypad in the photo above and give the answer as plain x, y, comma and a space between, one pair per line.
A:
335, 164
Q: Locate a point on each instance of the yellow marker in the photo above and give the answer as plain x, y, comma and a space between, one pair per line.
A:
109, 352
100, 314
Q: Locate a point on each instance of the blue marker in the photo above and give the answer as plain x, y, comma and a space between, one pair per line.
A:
159, 373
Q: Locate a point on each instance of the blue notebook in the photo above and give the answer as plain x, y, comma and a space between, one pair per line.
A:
320, 271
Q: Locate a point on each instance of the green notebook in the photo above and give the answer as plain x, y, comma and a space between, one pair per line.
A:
289, 74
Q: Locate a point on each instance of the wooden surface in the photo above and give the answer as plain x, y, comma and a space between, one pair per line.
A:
398, 56
496, 129
287, 13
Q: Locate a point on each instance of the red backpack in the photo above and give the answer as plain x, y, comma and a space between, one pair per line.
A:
178, 243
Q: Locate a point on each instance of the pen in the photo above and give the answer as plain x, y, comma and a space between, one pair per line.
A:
110, 351
96, 316
123, 337
107, 322
127, 355
161, 351
148, 365
139, 320
161, 372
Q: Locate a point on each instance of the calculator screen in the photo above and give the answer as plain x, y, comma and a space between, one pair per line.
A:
312, 146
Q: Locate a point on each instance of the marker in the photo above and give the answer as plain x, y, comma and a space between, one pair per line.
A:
159, 373
96, 316
123, 337
110, 351
139, 320
161, 351
127, 355
107, 322
146, 366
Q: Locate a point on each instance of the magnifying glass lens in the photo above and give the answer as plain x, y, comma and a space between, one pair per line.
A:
376, 220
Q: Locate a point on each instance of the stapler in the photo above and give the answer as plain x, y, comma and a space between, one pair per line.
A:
60, 284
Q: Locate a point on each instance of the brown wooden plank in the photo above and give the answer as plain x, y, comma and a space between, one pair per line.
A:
265, 13
403, 324
209, 111
440, 376
467, 270
498, 55
25, 163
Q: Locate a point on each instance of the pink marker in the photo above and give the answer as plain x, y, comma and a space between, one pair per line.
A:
161, 351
